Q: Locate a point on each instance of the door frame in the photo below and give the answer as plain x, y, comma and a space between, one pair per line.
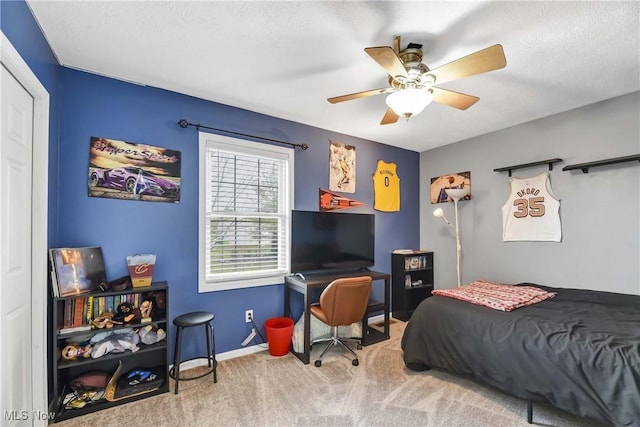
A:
11, 59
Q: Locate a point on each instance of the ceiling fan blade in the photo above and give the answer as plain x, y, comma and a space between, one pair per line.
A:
396, 44
389, 117
387, 58
482, 61
453, 99
357, 95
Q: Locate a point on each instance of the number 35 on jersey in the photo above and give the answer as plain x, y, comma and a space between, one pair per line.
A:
532, 211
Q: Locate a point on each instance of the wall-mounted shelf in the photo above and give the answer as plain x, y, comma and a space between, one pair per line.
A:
549, 162
585, 166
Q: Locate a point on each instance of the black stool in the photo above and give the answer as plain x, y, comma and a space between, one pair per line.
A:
188, 320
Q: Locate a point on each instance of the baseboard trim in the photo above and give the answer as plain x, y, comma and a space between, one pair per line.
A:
242, 352
223, 356
247, 350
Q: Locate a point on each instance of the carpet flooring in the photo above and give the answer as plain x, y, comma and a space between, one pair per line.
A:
262, 390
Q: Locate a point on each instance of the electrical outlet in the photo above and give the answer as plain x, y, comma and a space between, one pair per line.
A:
248, 316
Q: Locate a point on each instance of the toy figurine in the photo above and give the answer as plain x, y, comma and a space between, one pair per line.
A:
104, 321
145, 311
74, 350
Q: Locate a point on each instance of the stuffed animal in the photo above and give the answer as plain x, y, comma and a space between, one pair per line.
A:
126, 313
158, 303
105, 320
116, 343
150, 335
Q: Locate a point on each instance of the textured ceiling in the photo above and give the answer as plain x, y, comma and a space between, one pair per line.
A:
285, 59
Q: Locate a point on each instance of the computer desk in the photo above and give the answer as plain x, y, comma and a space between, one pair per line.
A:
306, 285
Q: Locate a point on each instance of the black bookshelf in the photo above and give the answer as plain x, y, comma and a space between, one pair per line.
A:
153, 356
412, 282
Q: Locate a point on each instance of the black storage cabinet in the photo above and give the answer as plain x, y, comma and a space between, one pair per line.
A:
412, 282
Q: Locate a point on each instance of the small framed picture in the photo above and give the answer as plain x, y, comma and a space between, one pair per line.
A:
454, 180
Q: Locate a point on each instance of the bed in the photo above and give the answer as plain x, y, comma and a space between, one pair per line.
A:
578, 351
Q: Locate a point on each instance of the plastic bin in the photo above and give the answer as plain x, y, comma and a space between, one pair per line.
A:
279, 331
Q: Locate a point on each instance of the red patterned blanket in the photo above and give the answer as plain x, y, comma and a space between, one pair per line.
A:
496, 295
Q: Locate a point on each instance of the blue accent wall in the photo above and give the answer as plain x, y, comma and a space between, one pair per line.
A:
97, 106
85, 105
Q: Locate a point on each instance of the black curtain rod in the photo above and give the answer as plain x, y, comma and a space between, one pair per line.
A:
184, 124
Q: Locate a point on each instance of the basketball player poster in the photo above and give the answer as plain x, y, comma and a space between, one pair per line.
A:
342, 168
454, 180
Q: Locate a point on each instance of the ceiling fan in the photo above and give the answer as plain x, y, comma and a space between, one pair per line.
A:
411, 83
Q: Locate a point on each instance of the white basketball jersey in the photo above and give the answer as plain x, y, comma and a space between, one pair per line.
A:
532, 211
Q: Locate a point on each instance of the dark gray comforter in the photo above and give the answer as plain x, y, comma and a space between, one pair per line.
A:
579, 351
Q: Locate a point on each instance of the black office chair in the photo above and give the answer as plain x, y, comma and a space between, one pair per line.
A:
342, 303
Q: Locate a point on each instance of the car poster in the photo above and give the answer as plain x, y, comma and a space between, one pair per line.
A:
125, 170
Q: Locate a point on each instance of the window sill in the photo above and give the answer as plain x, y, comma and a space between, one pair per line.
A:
213, 286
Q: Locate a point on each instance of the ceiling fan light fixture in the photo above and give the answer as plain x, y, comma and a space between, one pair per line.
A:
409, 102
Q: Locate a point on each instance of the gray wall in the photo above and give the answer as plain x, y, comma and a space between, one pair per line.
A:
599, 211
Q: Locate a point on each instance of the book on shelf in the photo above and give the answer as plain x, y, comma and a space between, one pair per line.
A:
54, 282
68, 314
76, 271
78, 311
69, 330
89, 310
109, 304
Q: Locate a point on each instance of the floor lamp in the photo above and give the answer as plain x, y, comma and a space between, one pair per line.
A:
456, 194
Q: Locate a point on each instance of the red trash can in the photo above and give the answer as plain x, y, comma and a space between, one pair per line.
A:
279, 331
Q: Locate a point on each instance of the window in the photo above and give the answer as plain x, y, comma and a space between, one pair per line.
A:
246, 194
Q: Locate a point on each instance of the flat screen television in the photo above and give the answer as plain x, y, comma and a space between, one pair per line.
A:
331, 241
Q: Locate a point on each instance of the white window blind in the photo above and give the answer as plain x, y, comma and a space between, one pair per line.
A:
246, 209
